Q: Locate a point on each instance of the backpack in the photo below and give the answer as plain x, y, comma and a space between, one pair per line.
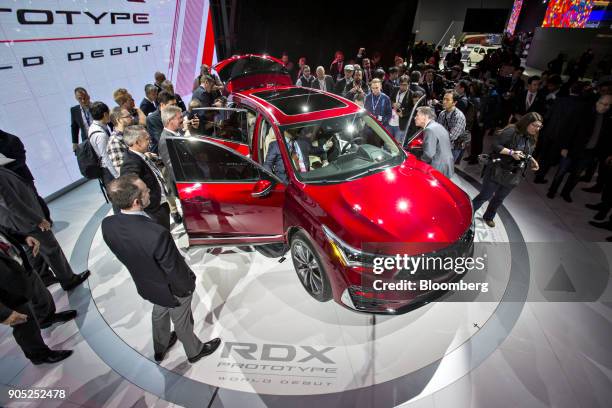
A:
88, 160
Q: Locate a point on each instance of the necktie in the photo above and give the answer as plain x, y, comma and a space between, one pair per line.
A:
87, 116
529, 100
158, 175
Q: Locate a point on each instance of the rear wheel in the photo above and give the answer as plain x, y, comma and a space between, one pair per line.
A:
309, 267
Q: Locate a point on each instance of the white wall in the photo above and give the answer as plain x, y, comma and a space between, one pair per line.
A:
36, 100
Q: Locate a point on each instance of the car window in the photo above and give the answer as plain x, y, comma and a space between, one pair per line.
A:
225, 124
339, 148
194, 160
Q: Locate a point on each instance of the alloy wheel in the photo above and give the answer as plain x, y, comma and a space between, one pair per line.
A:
307, 268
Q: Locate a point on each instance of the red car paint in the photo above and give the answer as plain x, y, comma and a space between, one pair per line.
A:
411, 206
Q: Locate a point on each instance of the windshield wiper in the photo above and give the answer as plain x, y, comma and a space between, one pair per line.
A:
368, 171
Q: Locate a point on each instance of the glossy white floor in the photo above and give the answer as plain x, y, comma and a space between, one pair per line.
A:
444, 354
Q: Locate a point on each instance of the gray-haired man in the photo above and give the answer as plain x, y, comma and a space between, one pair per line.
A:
436, 142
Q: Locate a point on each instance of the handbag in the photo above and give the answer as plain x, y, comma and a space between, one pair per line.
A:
505, 176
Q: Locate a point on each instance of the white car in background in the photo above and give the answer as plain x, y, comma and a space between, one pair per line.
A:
477, 54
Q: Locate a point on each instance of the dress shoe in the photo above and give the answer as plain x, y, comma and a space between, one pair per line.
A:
49, 280
566, 197
609, 239
595, 207
551, 194
61, 317
177, 218
585, 179
54, 356
603, 225
209, 348
77, 280
490, 223
468, 158
160, 356
472, 161
593, 189
540, 180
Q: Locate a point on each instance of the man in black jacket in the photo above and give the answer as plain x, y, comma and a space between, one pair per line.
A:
529, 100
154, 122
137, 161
20, 212
17, 293
160, 273
323, 82
80, 117
148, 104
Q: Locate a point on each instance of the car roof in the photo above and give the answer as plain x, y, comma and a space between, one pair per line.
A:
294, 104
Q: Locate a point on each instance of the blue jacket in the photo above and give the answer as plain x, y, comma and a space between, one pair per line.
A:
383, 107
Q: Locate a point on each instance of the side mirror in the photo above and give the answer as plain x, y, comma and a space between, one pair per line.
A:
262, 188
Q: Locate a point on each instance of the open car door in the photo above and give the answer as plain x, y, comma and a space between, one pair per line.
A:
252, 71
227, 126
227, 198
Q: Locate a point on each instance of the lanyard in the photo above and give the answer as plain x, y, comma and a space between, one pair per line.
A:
374, 105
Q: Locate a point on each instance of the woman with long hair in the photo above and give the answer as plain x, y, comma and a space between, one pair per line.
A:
507, 163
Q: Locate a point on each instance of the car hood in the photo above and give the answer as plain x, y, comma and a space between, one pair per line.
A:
408, 203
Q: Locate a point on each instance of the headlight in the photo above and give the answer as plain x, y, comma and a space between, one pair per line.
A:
348, 255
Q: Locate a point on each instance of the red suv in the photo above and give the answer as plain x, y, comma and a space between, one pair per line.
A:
286, 168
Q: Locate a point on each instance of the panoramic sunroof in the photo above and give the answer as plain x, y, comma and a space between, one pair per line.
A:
296, 101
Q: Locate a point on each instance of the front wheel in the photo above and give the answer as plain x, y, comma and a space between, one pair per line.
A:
309, 268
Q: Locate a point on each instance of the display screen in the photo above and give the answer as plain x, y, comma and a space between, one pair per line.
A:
514, 16
578, 14
567, 13
50, 47
484, 20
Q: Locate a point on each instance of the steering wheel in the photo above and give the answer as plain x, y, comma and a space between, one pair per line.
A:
351, 144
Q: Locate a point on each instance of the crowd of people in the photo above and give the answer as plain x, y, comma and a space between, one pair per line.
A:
537, 122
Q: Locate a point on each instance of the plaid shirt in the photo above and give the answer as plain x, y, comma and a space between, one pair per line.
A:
454, 122
116, 149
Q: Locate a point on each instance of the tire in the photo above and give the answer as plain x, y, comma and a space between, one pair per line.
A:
309, 268
272, 250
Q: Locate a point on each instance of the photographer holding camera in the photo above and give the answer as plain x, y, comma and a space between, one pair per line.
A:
507, 163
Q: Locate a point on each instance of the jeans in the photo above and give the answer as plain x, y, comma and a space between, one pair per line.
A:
457, 154
490, 191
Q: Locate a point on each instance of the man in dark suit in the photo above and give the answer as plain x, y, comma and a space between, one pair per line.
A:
160, 273
148, 103
12, 147
345, 81
20, 212
337, 66
206, 92
80, 118
12, 244
136, 161
154, 122
323, 82
300, 148
168, 87
529, 100
434, 88
19, 288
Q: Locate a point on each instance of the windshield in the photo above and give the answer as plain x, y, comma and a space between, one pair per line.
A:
340, 148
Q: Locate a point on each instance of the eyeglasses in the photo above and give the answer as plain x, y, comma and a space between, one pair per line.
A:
536, 126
